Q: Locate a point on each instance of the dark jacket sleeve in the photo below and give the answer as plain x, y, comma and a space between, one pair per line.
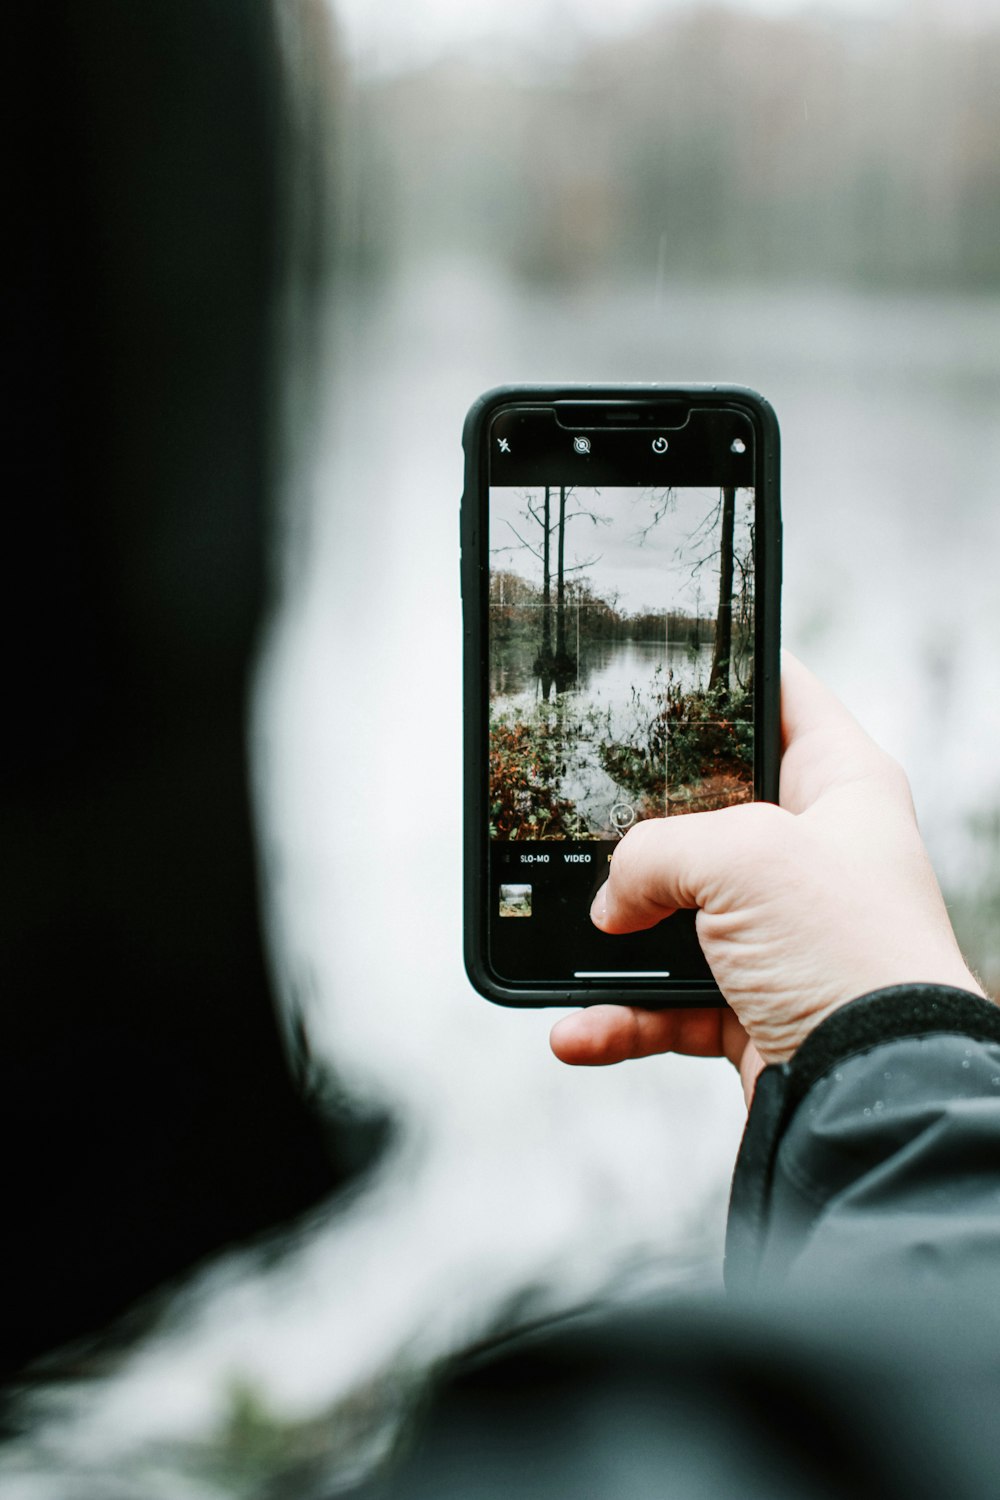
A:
872, 1159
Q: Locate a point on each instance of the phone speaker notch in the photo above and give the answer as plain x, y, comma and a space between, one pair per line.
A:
663, 415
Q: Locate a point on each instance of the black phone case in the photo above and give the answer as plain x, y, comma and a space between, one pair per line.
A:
475, 597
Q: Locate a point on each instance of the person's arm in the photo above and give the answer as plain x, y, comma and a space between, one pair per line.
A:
872, 1158
825, 928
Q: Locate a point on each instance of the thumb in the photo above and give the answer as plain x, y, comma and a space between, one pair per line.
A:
698, 860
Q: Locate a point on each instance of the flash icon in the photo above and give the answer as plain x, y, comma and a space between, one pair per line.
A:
504, 445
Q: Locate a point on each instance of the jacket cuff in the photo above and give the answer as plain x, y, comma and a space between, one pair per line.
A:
896, 1013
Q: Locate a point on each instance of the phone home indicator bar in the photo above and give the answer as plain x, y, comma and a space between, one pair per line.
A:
621, 974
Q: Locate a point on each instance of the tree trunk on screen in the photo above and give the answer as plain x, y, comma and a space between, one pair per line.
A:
546, 650
724, 619
561, 579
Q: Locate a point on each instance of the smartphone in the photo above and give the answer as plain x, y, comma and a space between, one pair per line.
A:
621, 572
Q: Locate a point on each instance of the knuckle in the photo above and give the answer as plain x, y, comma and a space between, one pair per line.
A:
768, 834
632, 851
895, 778
757, 822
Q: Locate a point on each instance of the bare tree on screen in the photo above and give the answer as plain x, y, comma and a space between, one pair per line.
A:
713, 542
722, 655
555, 668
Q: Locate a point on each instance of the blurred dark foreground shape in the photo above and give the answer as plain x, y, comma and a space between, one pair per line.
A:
790, 1397
148, 1112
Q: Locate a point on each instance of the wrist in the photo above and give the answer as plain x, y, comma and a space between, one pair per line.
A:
779, 1040
891, 1012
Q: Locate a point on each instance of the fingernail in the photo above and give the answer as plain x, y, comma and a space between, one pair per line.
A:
600, 905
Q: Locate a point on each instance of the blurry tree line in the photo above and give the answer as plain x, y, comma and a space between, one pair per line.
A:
517, 609
710, 143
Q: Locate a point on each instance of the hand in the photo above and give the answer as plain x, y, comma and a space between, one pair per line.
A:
801, 907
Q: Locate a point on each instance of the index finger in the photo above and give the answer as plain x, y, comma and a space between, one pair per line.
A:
604, 1034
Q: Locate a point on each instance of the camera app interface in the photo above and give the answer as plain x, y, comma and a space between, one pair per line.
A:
621, 681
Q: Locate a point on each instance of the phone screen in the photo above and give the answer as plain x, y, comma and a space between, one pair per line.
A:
621, 639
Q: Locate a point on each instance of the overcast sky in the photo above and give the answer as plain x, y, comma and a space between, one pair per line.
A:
403, 33
395, 35
655, 573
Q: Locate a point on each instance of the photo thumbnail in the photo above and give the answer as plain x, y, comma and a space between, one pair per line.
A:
515, 900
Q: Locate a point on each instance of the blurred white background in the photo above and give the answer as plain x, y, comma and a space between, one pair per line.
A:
799, 202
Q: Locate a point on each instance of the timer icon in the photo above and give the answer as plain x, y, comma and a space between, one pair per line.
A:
660, 445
